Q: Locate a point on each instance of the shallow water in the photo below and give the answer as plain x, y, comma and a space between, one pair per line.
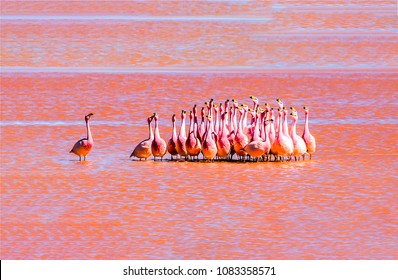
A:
339, 205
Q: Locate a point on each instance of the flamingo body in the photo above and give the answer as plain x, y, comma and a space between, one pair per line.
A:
144, 148
158, 146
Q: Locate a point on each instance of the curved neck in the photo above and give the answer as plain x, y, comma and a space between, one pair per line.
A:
240, 126
174, 130
285, 129
157, 133
150, 130
306, 129
256, 131
293, 127
89, 136
182, 129
190, 125
280, 129
235, 126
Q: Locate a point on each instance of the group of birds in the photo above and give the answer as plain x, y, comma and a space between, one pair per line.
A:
224, 131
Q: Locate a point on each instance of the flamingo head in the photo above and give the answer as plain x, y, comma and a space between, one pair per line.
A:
215, 107
226, 104
294, 115
195, 110
87, 117
280, 103
293, 109
306, 109
224, 115
267, 106
173, 118
255, 100
183, 114
155, 116
190, 115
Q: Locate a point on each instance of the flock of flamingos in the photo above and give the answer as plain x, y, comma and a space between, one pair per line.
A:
249, 133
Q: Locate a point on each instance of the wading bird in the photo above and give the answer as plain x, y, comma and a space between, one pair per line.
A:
84, 146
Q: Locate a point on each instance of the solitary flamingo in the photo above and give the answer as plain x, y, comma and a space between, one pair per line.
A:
158, 144
84, 146
143, 149
182, 137
171, 145
308, 138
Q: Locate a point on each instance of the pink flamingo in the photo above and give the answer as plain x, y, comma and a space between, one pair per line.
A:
209, 147
202, 127
158, 146
84, 146
299, 147
143, 149
223, 144
192, 143
272, 133
286, 129
182, 137
308, 138
171, 145
255, 102
280, 104
241, 139
257, 147
281, 146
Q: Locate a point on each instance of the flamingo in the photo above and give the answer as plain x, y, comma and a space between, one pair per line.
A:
182, 137
241, 139
143, 149
209, 148
281, 146
280, 104
299, 147
158, 145
308, 138
84, 146
202, 127
286, 130
192, 143
257, 147
171, 145
223, 144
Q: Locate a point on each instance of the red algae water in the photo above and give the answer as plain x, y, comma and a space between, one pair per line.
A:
123, 62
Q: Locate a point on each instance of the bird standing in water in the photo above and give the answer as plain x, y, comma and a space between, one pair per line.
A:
158, 145
143, 149
171, 145
307, 136
84, 146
